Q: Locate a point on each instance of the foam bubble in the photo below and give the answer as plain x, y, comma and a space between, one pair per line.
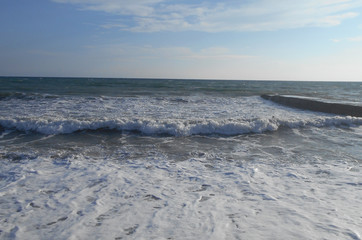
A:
176, 127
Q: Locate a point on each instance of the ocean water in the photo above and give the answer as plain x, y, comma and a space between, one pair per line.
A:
177, 159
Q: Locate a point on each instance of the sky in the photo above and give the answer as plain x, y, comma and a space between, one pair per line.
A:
187, 39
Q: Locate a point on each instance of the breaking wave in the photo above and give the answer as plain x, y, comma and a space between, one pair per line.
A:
175, 127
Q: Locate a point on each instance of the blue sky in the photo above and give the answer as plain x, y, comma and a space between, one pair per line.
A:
246, 40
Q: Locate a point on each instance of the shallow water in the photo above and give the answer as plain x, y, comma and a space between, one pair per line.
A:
171, 163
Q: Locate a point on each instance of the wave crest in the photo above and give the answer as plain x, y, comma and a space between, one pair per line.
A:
174, 127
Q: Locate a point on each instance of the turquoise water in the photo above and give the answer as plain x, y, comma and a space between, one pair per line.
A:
180, 159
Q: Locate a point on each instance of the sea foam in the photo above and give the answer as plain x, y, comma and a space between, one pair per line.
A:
175, 127
131, 181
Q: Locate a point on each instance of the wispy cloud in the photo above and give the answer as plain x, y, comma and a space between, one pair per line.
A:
140, 8
229, 15
336, 40
350, 39
355, 39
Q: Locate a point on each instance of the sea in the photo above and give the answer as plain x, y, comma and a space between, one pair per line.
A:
92, 158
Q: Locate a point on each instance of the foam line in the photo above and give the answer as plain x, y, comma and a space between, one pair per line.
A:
175, 127
313, 105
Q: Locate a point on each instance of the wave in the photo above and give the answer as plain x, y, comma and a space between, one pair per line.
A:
315, 105
175, 127
24, 96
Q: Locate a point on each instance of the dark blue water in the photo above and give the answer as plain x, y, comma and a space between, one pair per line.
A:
344, 91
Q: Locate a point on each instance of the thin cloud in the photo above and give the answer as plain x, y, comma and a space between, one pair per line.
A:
355, 39
119, 7
229, 15
336, 40
351, 39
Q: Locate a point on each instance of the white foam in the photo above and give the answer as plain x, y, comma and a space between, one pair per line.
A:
196, 198
176, 127
300, 180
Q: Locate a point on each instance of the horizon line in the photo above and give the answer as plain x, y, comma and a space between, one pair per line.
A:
183, 79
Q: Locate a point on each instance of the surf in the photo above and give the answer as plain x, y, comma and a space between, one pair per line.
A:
175, 127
